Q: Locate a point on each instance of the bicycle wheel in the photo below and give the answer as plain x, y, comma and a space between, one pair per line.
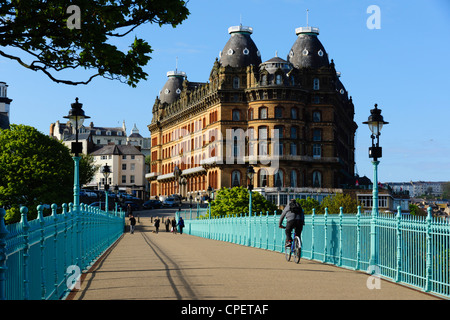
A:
297, 249
287, 253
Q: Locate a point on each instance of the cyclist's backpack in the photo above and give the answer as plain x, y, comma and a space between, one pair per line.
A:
296, 208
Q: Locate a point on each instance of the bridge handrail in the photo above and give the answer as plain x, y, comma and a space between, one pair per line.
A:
42, 259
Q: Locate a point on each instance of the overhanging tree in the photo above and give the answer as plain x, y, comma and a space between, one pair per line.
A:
52, 39
34, 169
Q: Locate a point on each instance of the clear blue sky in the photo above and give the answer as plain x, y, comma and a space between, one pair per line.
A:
404, 67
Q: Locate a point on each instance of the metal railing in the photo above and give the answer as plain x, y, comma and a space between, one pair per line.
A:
43, 259
409, 250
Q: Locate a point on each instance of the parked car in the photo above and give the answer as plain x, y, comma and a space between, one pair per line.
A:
133, 205
152, 204
97, 205
169, 202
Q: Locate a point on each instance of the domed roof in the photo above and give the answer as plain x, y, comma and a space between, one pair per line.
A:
308, 51
276, 63
172, 89
240, 50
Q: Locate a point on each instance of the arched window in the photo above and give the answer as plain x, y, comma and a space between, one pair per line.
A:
262, 175
294, 113
294, 183
263, 113
317, 179
279, 178
316, 85
236, 83
264, 80
278, 79
317, 116
236, 115
278, 112
293, 132
235, 178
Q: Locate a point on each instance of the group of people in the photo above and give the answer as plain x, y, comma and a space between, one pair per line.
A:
170, 224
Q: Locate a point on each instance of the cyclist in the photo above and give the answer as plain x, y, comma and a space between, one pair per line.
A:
295, 219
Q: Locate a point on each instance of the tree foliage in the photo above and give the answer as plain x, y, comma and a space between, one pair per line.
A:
46, 33
333, 203
34, 169
235, 201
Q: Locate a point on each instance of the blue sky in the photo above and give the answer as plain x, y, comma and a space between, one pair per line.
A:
404, 67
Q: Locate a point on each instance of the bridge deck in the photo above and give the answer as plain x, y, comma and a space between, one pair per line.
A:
164, 266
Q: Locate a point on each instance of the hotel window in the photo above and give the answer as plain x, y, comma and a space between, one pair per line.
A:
278, 112
262, 178
132, 179
294, 113
236, 115
279, 132
124, 179
316, 85
316, 116
236, 178
317, 135
263, 113
124, 166
279, 178
317, 179
278, 79
293, 132
317, 151
293, 149
293, 179
264, 80
236, 83
132, 166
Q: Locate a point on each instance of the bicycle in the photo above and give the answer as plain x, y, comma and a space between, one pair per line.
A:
295, 248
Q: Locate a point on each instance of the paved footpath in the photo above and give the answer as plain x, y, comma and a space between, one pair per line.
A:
166, 266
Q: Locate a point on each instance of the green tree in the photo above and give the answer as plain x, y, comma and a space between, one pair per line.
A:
309, 204
58, 35
87, 168
235, 201
34, 169
334, 203
446, 190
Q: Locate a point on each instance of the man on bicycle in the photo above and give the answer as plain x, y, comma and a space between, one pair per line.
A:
295, 219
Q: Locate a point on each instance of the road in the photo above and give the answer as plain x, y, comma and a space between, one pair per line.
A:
164, 266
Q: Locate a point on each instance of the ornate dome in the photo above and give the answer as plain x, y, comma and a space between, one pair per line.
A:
240, 50
308, 51
276, 63
172, 89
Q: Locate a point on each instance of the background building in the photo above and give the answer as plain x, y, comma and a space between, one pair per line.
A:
291, 119
4, 106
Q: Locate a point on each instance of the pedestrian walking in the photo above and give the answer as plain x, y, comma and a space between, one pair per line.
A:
132, 223
181, 224
174, 226
157, 225
167, 223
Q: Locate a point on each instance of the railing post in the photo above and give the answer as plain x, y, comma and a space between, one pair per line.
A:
65, 265
26, 248
275, 229
40, 210
55, 247
358, 239
325, 228
398, 278
312, 232
341, 214
428, 261
3, 234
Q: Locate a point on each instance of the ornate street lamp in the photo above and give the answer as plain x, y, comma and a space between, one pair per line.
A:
250, 174
76, 117
106, 171
375, 123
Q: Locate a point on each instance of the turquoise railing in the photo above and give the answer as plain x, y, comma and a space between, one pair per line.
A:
413, 251
43, 259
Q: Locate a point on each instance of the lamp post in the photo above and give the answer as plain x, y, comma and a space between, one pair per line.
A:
116, 191
250, 174
76, 117
106, 171
375, 123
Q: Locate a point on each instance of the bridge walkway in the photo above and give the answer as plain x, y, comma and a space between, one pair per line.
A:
165, 266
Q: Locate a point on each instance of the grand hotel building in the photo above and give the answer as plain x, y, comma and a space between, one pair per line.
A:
292, 120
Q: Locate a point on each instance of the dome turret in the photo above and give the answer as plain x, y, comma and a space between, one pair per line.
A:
240, 50
172, 89
308, 51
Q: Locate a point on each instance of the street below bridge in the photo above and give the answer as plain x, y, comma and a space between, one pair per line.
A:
166, 266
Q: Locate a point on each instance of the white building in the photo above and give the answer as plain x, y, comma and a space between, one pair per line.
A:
4, 106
